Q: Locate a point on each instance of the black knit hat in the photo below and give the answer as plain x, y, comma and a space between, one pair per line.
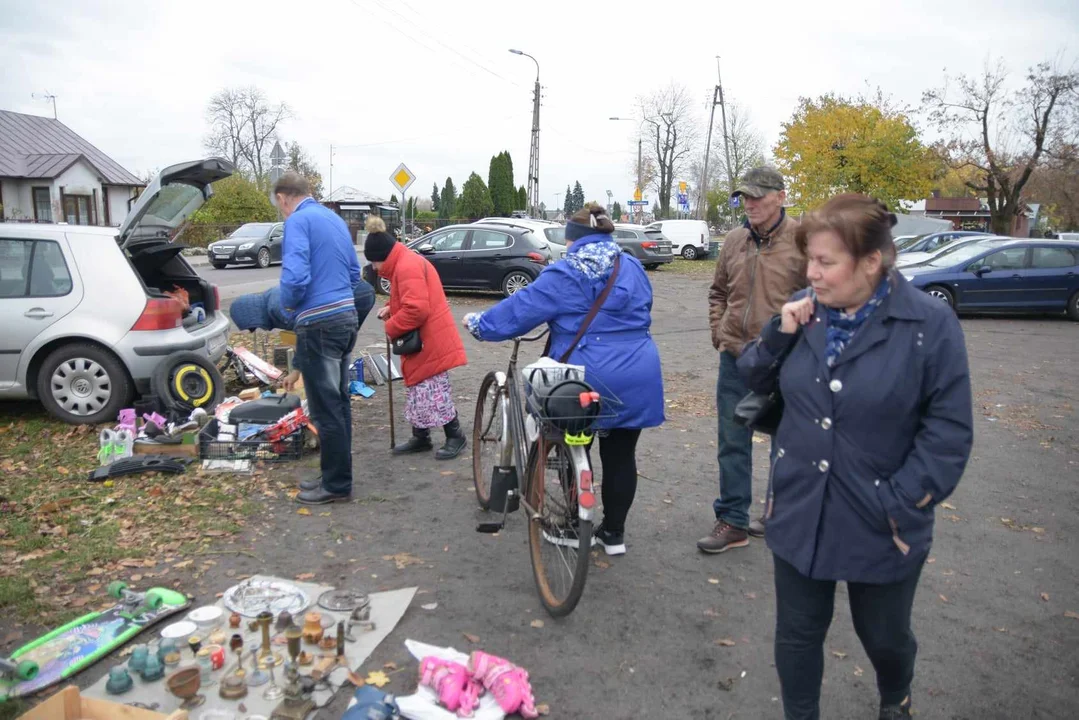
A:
377, 246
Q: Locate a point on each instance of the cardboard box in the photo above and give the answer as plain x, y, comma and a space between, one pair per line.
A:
68, 704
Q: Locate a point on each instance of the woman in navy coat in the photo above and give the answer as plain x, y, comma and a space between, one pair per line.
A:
877, 428
618, 352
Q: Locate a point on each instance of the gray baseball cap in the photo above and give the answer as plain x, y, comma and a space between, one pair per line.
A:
760, 181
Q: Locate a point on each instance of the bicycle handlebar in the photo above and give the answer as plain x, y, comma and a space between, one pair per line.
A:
533, 338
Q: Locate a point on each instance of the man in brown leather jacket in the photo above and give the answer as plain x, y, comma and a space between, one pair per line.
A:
759, 268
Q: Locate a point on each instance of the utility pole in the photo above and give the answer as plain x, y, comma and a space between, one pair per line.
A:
702, 196
726, 142
533, 156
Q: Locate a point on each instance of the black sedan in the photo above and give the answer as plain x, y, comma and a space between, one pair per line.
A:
480, 256
253, 243
646, 244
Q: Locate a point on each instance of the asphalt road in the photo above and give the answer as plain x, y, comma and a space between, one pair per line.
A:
992, 614
236, 280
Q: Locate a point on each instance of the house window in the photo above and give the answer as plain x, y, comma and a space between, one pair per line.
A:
42, 205
77, 209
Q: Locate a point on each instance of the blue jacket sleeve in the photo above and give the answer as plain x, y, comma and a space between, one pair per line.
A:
295, 264
526, 309
761, 360
354, 270
945, 434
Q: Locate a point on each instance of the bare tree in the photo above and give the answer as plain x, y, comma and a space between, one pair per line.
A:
1003, 134
243, 128
670, 135
747, 150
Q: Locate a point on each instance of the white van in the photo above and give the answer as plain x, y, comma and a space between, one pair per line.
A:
689, 238
1068, 236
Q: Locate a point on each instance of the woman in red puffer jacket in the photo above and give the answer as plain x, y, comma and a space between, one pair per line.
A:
417, 302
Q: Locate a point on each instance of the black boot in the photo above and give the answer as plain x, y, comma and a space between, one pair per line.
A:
455, 441
419, 442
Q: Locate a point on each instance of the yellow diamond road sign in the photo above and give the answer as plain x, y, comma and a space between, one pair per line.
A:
402, 178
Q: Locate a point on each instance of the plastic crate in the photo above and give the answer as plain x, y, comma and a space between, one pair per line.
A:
210, 448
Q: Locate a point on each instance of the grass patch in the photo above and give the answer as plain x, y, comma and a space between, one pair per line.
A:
17, 596
11, 709
698, 268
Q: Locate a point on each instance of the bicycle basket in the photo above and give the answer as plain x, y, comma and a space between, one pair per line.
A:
560, 397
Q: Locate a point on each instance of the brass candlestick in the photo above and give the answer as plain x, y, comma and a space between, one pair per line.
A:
266, 653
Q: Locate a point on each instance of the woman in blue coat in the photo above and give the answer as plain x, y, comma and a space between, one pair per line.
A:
876, 431
618, 352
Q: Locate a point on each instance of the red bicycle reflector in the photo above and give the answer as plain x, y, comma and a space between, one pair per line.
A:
587, 398
587, 500
586, 481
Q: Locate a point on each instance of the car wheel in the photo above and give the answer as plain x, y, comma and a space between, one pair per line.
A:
1073, 307
186, 380
263, 258
516, 280
651, 266
941, 293
383, 285
220, 266
83, 384
689, 252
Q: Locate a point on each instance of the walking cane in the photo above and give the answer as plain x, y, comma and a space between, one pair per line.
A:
389, 390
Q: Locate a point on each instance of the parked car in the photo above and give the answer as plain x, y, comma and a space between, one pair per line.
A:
688, 238
86, 318
644, 243
480, 256
555, 233
1067, 236
934, 241
915, 258
1004, 274
257, 243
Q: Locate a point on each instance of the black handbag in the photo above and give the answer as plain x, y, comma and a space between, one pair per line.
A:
407, 344
762, 412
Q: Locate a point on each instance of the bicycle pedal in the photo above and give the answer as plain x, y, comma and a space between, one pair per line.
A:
489, 527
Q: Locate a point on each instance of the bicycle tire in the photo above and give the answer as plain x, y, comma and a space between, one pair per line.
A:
535, 492
481, 476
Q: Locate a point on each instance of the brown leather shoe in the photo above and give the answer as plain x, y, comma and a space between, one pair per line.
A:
756, 527
723, 538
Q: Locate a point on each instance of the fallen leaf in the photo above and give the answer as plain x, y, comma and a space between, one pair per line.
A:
391, 666
377, 678
474, 639
858, 671
63, 470
725, 642
303, 511
356, 679
751, 595
182, 564
1001, 629
930, 561
447, 472
947, 506
1071, 614
81, 602
136, 578
429, 606
839, 654
943, 598
668, 501
536, 623
1037, 530
602, 564
305, 576
543, 709
713, 581
1045, 597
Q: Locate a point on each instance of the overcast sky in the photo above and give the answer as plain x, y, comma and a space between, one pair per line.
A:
431, 83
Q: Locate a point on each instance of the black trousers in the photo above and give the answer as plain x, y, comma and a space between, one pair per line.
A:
618, 456
881, 615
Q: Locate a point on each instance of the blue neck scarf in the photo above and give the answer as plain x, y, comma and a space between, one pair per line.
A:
842, 326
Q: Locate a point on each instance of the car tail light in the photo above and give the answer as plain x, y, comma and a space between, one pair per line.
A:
649, 245
217, 298
160, 314
537, 258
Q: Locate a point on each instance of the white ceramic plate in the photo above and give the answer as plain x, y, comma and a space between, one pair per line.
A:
179, 630
205, 616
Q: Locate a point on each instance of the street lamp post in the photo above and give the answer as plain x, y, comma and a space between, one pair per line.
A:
639, 155
533, 156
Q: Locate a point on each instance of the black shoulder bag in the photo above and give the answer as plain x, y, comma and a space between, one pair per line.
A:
763, 411
410, 342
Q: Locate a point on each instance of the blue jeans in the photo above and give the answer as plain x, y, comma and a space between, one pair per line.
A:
735, 448
881, 615
324, 349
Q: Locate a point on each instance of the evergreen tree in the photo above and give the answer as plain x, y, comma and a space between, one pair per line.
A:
435, 198
447, 205
616, 211
393, 199
578, 197
500, 184
522, 198
475, 199
567, 206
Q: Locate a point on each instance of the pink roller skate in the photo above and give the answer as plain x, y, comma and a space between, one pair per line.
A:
456, 691
506, 682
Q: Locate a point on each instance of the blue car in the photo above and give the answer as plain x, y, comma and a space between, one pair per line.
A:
931, 242
1004, 274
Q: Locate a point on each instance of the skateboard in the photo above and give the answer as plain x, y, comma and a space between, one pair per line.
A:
56, 656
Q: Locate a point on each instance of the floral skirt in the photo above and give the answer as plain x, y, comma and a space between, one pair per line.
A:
430, 403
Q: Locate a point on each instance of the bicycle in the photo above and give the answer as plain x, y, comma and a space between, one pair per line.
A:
525, 449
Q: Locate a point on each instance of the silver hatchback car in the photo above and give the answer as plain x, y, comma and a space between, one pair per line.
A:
84, 315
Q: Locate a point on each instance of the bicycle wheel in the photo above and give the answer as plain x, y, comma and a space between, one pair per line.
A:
559, 541
488, 433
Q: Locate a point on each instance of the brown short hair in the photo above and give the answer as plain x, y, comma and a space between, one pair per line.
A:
584, 216
864, 224
292, 184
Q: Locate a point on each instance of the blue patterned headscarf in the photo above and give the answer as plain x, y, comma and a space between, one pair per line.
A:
842, 326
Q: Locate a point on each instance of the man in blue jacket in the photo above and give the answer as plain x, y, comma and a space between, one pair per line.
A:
319, 268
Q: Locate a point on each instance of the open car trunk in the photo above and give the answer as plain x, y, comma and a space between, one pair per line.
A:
163, 270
